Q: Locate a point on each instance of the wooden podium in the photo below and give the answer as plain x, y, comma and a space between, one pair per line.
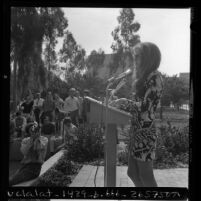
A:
110, 117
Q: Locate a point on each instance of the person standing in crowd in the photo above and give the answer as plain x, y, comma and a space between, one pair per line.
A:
34, 148
148, 86
37, 107
27, 106
48, 107
80, 102
85, 105
71, 106
59, 104
48, 130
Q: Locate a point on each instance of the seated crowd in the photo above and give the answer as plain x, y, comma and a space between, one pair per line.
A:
54, 107
39, 121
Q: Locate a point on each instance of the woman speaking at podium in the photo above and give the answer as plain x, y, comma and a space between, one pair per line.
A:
147, 86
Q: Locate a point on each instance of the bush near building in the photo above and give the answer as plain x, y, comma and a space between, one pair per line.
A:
61, 174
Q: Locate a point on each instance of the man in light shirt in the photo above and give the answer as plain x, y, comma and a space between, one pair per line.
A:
71, 106
80, 101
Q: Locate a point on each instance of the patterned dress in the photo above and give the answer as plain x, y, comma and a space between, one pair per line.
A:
143, 134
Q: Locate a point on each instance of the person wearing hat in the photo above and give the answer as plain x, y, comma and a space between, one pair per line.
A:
34, 148
71, 106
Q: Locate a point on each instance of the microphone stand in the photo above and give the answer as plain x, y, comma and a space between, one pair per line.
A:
106, 126
119, 85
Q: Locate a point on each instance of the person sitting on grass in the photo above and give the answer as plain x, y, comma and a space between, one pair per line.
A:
69, 133
48, 129
34, 148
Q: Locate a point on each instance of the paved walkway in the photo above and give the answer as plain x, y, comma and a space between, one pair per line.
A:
177, 177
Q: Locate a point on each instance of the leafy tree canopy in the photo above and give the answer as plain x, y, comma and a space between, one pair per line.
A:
125, 37
30, 26
95, 60
175, 91
72, 54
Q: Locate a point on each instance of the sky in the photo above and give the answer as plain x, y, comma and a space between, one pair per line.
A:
169, 29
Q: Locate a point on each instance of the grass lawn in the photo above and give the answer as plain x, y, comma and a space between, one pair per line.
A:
170, 114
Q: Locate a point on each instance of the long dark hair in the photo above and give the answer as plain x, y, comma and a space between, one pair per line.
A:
150, 60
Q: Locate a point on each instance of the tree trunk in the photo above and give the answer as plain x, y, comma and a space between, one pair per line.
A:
178, 107
15, 84
161, 112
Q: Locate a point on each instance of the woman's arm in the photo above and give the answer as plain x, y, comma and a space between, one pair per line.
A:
118, 102
151, 98
125, 103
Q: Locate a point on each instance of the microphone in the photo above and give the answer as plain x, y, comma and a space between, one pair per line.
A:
120, 76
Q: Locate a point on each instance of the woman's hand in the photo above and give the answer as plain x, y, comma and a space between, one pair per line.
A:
118, 102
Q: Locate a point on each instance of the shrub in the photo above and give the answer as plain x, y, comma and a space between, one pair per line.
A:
171, 151
54, 178
60, 174
172, 147
66, 166
89, 145
174, 139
